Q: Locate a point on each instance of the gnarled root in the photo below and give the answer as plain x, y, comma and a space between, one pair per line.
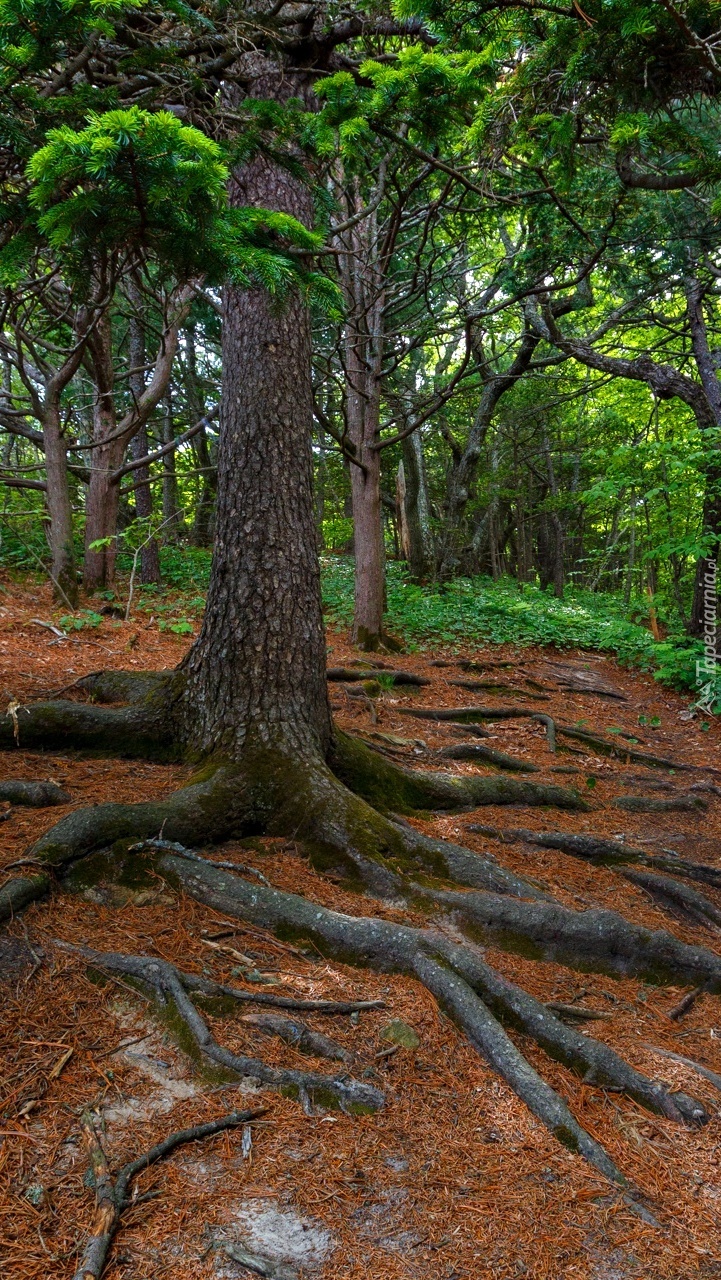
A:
207, 810
353, 1096
135, 731
393, 788
452, 973
592, 941
38, 795
606, 852
128, 686
677, 898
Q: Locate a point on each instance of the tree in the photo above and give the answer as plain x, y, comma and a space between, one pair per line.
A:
250, 703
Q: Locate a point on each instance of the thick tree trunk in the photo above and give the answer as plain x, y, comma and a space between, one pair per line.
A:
65, 579
256, 674
150, 554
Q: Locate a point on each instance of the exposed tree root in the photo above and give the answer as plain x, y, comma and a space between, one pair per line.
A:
591, 941
677, 898
468, 715
131, 731
36, 794
712, 1076
127, 686
389, 674
487, 755
620, 750
189, 815
207, 987
455, 974
652, 804
111, 1196
606, 852
353, 1096
279, 791
298, 1034
391, 787
491, 686
475, 730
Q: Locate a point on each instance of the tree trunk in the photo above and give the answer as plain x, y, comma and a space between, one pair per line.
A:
363, 340
202, 530
369, 551
150, 554
416, 507
172, 517
706, 565
65, 579
463, 472
256, 674
101, 514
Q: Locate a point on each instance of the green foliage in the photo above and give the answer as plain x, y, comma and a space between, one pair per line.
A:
480, 611
34, 33
85, 620
135, 182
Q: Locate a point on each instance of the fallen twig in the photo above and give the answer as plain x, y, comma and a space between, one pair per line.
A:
687, 1003
172, 846
577, 1011
111, 1196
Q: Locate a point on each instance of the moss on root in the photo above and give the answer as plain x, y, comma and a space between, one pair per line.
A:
392, 788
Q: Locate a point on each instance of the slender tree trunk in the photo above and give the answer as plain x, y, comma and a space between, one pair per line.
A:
363, 290
256, 674
202, 531
101, 513
465, 467
150, 554
628, 591
417, 510
707, 564
559, 533
172, 517
59, 507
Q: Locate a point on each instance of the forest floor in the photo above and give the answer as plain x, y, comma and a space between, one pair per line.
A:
454, 1179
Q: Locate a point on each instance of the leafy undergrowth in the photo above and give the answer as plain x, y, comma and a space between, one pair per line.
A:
472, 610
466, 611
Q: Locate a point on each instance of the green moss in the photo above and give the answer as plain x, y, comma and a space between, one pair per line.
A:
215, 1006
113, 866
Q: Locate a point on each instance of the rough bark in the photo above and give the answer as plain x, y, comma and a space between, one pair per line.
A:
257, 670
103, 497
